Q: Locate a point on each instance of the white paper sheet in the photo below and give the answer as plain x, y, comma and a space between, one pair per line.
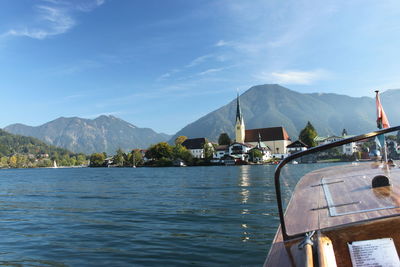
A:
377, 252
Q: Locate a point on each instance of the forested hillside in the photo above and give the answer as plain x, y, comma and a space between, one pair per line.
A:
103, 134
18, 151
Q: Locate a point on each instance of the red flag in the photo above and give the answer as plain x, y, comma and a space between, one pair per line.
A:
381, 120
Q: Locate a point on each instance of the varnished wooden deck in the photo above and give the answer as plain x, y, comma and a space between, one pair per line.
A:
351, 184
284, 254
306, 210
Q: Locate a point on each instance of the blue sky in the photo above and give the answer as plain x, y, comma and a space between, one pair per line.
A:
163, 64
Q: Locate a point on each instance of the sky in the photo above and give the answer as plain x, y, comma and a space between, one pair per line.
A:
163, 64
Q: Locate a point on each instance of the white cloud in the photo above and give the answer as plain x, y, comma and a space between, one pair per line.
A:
89, 6
96, 115
168, 74
81, 66
209, 71
293, 76
195, 62
53, 21
52, 18
221, 43
213, 70
74, 96
198, 61
164, 76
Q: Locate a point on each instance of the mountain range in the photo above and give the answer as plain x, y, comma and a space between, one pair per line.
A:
105, 133
12, 144
262, 106
273, 105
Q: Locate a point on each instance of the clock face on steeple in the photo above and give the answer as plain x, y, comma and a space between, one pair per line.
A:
238, 127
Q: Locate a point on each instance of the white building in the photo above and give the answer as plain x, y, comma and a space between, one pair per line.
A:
270, 141
240, 150
196, 146
296, 146
347, 149
220, 151
275, 139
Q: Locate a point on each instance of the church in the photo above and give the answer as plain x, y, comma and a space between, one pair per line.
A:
273, 139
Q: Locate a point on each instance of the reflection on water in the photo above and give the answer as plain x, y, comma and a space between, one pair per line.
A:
244, 182
143, 216
244, 175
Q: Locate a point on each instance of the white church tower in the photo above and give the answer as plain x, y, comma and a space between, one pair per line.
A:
239, 126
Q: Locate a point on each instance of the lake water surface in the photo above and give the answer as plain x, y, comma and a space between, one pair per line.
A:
202, 216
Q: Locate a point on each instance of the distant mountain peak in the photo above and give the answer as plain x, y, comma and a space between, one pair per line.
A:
105, 116
271, 105
104, 133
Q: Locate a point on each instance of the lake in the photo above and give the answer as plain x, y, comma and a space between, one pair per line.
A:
202, 216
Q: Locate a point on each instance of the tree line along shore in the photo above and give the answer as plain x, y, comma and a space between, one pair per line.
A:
27, 152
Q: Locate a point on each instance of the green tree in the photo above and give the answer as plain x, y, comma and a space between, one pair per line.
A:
3, 162
398, 137
22, 161
308, 134
224, 139
180, 139
135, 158
164, 162
208, 150
44, 163
181, 152
255, 155
72, 161
119, 157
55, 156
160, 150
65, 160
97, 160
12, 161
81, 159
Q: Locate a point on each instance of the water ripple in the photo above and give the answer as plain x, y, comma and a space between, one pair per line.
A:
146, 216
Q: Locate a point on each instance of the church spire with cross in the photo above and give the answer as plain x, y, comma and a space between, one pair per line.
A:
239, 126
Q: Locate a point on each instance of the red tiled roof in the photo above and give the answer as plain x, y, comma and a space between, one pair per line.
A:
267, 134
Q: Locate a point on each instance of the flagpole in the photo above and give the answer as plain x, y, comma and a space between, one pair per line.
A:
384, 140
384, 151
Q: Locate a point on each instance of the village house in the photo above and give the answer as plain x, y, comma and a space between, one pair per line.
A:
142, 153
296, 146
275, 139
196, 146
220, 151
347, 149
320, 140
240, 150
271, 142
265, 151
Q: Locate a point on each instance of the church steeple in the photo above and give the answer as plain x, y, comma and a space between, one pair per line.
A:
239, 125
239, 116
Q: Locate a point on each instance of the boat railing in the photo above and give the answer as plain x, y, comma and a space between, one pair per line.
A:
314, 150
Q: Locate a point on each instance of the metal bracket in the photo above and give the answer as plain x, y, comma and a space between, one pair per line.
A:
307, 240
337, 205
321, 184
